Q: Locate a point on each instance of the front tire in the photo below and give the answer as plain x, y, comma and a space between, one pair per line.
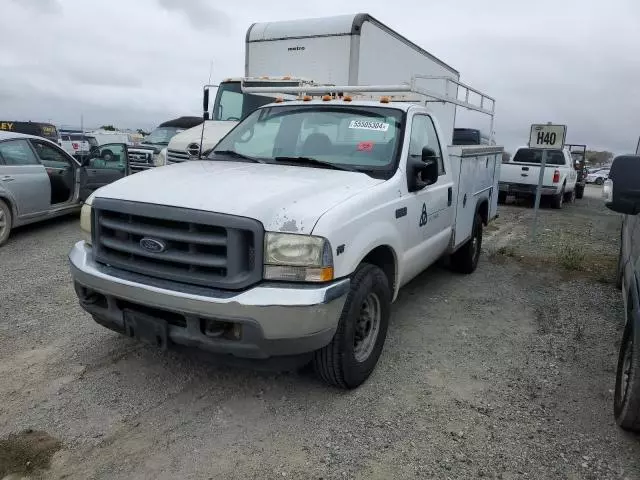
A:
599, 181
357, 344
5, 222
465, 259
626, 402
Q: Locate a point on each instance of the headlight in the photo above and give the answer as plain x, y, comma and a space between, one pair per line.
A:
161, 158
607, 190
298, 258
85, 219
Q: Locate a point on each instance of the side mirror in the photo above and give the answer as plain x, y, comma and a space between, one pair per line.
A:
205, 100
424, 172
622, 189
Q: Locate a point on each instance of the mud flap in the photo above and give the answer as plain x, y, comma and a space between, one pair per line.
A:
145, 329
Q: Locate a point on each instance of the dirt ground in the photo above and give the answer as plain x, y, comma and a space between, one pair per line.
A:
507, 373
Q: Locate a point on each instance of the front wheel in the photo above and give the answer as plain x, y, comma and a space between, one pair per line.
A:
599, 181
465, 259
626, 402
5, 222
357, 344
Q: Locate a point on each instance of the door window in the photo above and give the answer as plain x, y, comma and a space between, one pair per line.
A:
17, 152
110, 156
423, 134
51, 156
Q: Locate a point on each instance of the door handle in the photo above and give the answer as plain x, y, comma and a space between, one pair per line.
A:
7, 178
450, 196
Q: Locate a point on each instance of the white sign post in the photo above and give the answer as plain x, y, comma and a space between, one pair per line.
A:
544, 137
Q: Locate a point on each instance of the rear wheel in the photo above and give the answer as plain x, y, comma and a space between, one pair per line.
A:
465, 260
355, 348
5, 222
579, 191
558, 200
599, 181
626, 402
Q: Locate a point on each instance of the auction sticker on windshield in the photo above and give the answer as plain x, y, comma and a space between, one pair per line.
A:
369, 125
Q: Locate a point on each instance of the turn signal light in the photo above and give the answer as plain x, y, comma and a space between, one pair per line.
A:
556, 176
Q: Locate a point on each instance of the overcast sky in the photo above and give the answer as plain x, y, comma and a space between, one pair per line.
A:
138, 63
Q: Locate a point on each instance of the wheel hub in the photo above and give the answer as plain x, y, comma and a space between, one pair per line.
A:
366, 327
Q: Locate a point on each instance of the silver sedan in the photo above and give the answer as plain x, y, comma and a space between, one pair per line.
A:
39, 180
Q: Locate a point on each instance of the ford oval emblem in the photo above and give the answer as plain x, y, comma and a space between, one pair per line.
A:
153, 245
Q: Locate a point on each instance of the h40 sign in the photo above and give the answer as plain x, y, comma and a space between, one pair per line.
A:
547, 136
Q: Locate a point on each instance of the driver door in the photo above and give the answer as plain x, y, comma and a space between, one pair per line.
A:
105, 164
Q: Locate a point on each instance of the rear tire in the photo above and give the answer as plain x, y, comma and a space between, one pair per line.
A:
579, 191
357, 344
626, 402
599, 181
465, 259
5, 222
558, 200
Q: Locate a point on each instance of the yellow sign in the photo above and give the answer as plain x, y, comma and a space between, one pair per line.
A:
6, 126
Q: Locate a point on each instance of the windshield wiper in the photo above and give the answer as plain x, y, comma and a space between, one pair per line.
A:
314, 162
234, 154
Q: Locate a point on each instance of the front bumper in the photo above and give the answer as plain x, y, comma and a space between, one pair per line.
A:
526, 189
275, 319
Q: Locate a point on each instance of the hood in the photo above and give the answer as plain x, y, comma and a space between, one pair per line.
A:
148, 147
213, 132
284, 198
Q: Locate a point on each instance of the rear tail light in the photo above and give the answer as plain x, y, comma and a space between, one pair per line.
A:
556, 176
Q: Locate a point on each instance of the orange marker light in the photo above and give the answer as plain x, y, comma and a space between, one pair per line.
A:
279, 100
286, 78
306, 98
326, 98
385, 99
347, 98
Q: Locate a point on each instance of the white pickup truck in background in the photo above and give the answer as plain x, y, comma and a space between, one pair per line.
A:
296, 233
519, 176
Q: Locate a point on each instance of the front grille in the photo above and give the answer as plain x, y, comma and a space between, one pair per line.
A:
200, 248
140, 159
177, 156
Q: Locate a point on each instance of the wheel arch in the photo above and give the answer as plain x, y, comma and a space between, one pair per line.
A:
12, 205
385, 258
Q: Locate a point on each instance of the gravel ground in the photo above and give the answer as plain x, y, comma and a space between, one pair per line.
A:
507, 373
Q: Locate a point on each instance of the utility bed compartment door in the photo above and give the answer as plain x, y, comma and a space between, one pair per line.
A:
478, 171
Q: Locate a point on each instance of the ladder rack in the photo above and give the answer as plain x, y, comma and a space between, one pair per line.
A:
405, 92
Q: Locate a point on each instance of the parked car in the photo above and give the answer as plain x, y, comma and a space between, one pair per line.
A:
621, 196
39, 129
152, 151
519, 176
77, 144
598, 177
39, 180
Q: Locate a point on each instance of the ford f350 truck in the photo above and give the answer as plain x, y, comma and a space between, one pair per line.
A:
296, 233
339, 50
519, 176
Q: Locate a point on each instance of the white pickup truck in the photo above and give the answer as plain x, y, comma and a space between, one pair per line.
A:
294, 236
519, 176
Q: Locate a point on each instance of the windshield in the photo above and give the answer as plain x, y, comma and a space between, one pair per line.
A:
162, 135
529, 155
363, 138
231, 104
